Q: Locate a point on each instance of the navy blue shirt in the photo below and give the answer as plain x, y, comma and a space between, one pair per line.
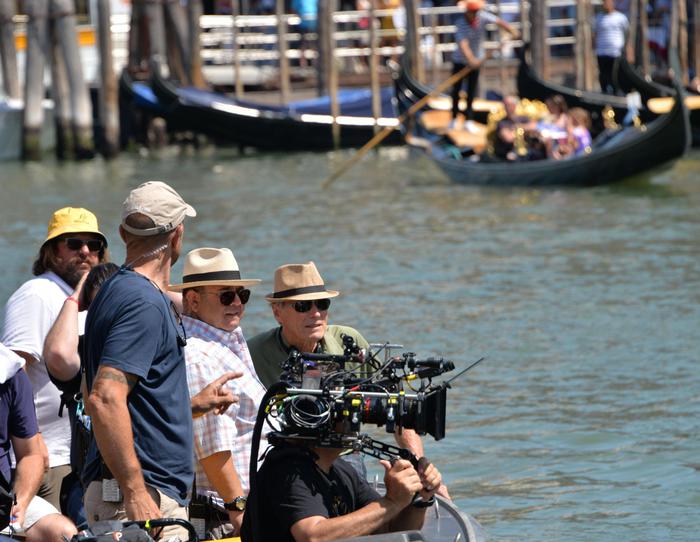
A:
17, 416
132, 326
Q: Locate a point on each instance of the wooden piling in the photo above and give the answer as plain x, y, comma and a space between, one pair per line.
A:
177, 39
65, 27
324, 43
8, 51
412, 39
644, 59
237, 78
525, 26
37, 46
539, 33
333, 72
374, 66
283, 61
153, 22
60, 95
194, 13
502, 76
696, 37
680, 8
108, 107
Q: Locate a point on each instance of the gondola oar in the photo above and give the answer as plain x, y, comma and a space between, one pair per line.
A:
381, 136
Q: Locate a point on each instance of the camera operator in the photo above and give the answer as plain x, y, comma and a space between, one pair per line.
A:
308, 493
300, 303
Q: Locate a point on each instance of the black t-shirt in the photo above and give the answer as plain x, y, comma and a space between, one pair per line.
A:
291, 487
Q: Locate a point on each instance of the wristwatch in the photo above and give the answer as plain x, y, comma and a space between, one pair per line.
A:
237, 504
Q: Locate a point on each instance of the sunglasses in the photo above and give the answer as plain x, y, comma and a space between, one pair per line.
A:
229, 296
305, 306
76, 243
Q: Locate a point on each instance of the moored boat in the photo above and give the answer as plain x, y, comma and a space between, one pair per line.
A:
626, 152
265, 127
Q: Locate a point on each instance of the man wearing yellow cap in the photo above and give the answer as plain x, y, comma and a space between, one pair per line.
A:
73, 245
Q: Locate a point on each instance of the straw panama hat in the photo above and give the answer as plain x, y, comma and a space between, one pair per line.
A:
299, 282
72, 220
211, 267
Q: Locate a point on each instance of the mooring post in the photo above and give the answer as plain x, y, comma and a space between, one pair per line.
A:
237, 79
374, 65
333, 72
63, 16
60, 94
194, 14
283, 61
108, 107
539, 34
324, 42
644, 37
177, 38
8, 51
679, 6
696, 37
411, 41
37, 45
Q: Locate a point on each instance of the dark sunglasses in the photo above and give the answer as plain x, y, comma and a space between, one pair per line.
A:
305, 306
76, 243
229, 296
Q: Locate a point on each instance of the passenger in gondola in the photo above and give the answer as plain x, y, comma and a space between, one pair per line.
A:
469, 37
214, 299
558, 111
580, 127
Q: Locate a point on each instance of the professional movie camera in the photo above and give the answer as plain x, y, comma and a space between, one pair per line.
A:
323, 400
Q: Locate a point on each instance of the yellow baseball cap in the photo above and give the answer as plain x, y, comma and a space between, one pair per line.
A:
73, 220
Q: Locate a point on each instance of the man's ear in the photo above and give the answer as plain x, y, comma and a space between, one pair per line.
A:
190, 302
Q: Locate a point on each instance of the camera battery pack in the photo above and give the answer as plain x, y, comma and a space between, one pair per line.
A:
111, 491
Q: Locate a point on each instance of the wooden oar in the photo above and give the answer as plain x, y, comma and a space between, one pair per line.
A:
381, 136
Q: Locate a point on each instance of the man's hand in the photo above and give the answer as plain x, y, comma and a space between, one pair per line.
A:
140, 506
17, 515
402, 482
236, 519
214, 396
430, 478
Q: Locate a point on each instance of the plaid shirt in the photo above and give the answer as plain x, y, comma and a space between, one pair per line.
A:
209, 353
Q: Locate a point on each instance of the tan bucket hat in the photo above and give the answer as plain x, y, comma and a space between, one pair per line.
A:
299, 282
159, 202
211, 267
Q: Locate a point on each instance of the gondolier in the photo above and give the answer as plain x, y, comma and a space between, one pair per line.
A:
611, 29
469, 36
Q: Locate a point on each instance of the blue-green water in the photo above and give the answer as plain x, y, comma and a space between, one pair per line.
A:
583, 423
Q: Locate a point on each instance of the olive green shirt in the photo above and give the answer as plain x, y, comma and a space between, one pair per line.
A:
269, 350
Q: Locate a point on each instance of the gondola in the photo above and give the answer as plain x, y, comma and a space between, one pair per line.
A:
628, 79
625, 153
263, 127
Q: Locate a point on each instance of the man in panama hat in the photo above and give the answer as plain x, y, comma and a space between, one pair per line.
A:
214, 297
300, 303
73, 245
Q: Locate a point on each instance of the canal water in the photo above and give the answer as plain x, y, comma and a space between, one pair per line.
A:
582, 423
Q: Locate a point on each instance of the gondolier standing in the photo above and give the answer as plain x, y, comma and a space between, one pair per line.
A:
469, 35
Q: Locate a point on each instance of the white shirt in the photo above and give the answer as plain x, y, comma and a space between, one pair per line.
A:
29, 314
610, 31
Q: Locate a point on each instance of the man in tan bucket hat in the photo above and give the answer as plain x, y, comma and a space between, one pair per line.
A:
214, 298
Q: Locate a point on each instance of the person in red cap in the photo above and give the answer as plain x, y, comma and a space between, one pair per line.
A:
469, 35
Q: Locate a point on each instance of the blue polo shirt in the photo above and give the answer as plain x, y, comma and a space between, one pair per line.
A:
132, 326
